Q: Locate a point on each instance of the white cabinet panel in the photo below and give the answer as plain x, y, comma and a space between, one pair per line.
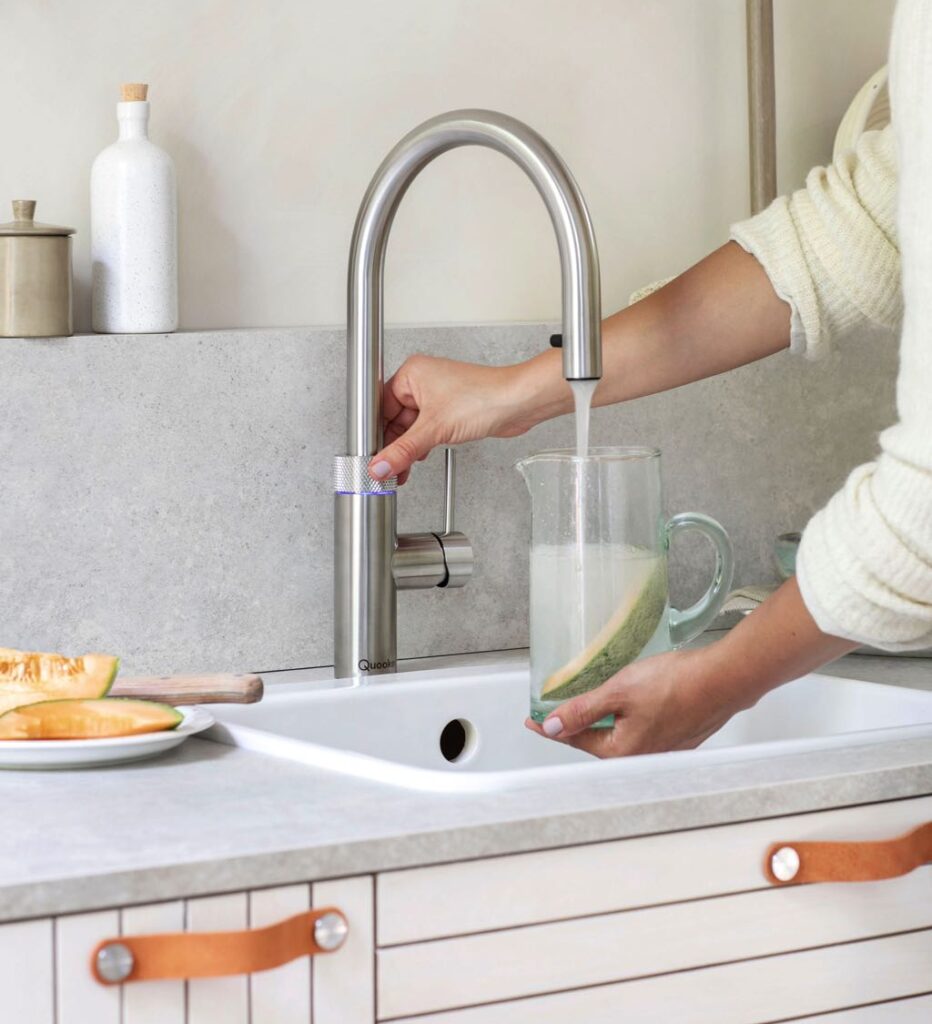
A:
81, 999
218, 1000
154, 1002
753, 992
344, 981
26, 982
501, 892
282, 995
526, 961
903, 1011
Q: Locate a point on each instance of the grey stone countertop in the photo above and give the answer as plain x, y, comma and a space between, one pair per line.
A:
209, 818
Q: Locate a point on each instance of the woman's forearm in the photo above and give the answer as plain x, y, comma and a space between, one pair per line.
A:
777, 642
719, 314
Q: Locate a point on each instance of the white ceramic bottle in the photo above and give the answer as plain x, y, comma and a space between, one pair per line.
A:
134, 248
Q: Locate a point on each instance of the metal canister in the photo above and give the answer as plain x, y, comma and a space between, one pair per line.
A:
35, 276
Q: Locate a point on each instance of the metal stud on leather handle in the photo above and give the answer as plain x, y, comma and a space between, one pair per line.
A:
784, 864
181, 955
330, 931
798, 863
114, 962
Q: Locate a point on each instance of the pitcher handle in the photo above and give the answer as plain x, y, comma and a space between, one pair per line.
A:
687, 624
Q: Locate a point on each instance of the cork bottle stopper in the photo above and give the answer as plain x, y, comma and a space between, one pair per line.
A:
133, 91
24, 209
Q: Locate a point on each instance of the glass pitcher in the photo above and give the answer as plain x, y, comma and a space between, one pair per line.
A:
599, 569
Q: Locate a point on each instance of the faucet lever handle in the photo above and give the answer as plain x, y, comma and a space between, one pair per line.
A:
457, 551
449, 488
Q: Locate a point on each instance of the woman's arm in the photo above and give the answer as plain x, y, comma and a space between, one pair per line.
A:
865, 562
829, 250
721, 313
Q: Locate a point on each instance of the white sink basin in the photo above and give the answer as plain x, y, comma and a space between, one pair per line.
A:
390, 730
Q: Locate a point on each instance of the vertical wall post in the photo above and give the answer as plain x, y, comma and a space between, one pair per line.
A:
761, 104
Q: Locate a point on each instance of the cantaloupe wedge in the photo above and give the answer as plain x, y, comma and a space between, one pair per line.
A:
618, 642
87, 719
30, 676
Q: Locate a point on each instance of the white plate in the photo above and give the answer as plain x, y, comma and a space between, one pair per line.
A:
50, 754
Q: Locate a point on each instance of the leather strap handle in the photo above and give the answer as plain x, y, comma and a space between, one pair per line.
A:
215, 954
794, 863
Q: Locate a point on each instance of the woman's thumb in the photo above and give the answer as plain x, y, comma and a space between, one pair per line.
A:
578, 713
403, 452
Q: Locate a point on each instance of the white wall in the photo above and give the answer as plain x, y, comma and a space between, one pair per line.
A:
278, 112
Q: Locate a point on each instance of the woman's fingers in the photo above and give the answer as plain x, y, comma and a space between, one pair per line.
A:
398, 426
393, 392
598, 742
407, 448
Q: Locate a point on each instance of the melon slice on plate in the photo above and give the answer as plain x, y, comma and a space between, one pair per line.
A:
27, 677
619, 641
87, 719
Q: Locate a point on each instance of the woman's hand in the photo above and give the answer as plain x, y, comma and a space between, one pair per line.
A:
671, 701
432, 401
675, 701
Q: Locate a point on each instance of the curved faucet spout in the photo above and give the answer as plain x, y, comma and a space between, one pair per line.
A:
371, 562
582, 348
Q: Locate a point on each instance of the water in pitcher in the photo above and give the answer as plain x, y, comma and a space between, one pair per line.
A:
572, 652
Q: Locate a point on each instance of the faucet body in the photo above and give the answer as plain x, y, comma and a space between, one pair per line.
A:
371, 562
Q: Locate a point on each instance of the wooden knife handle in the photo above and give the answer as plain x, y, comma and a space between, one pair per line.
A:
212, 689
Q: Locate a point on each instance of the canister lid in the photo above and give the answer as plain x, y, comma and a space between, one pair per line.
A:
23, 224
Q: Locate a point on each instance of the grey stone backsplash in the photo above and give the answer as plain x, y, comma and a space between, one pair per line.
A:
167, 497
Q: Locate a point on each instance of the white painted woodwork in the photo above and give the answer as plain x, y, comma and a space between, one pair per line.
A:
903, 1011
501, 892
752, 992
344, 981
634, 943
154, 1002
81, 999
218, 1000
26, 983
283, 994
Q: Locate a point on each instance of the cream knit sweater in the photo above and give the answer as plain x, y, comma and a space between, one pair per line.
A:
830, 250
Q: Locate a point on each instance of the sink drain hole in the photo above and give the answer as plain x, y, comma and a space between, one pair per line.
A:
457, 740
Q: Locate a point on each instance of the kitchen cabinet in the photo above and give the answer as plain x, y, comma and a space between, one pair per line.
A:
681, 926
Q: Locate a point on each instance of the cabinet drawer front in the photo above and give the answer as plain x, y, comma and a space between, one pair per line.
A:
502, 892
54, 955
903, 1011
218, 1000
344, 983
26, 982
154, 1002
283, 994
80, 999
536, 959
753, 992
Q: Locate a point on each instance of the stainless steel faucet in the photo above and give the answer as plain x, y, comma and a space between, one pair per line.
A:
371, 561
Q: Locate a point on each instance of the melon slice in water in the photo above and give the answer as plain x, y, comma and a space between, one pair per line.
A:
28, 676
87, 719
618, 642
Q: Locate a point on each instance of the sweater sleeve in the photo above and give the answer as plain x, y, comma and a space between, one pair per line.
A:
830, 249
865, 562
